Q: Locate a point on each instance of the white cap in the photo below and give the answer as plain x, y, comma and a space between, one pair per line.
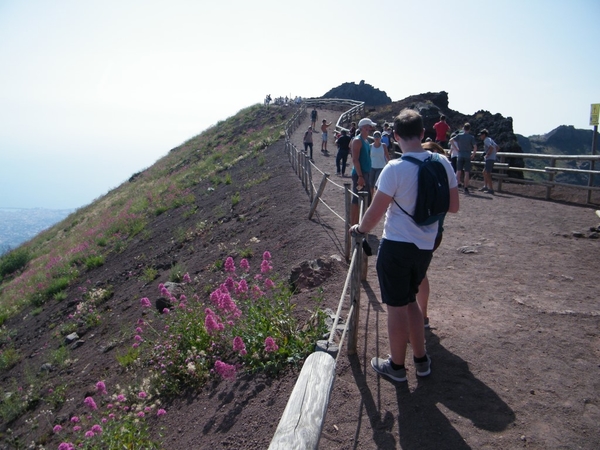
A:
366, 121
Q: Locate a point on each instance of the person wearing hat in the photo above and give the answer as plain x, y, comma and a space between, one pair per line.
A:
386, 136
489, 154
362, 165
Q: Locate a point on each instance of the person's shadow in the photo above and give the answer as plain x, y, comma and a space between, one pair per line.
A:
422, 423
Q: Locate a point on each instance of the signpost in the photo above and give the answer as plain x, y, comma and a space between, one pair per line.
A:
594, 116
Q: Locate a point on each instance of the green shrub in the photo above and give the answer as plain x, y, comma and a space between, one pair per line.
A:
8, 358
91, 262
13, 261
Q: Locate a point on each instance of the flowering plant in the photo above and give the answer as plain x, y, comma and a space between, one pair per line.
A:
245, 324
110, 421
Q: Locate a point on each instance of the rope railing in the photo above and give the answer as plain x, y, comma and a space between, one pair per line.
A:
302, 421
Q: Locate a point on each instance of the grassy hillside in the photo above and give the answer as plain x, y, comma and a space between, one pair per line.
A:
81, 317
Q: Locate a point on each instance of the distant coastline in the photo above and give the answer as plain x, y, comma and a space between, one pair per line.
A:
18, 225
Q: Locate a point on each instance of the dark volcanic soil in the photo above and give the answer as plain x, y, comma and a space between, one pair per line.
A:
514, 310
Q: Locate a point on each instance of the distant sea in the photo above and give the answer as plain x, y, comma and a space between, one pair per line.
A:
20, 225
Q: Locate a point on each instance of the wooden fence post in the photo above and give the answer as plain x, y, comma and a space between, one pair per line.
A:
355, 298
364, 266
348, 204
315, 202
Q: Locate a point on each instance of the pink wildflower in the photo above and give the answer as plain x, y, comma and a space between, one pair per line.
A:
89, 434
121, 398
140, 322
265, 266
139, 330
135, 345
227, 371
161, 286
97, 429
101, 387
111, 416
241, 287
245, 265
269, 283
230, 284
229, 264
104, 420
66, 446
239, 346
270, 345
76, 428
186, 278
211, 322
138, 338
256, 292
109, 406
145, 302
161, 412
142, 394
75, 419
141, 414
89, 401
166, 311
266, 256
57, 429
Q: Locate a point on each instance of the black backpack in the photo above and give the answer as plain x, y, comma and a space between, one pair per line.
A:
433, 195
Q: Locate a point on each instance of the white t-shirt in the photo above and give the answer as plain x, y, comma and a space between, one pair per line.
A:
399, 179
487, 143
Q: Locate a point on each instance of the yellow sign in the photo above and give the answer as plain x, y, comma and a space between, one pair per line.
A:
595, 113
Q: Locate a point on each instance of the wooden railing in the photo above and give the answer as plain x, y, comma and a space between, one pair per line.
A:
302, 421
504, 170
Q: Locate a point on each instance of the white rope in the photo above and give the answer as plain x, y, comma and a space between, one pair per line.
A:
346, 283
329, 208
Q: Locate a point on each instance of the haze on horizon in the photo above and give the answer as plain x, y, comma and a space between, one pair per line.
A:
92, 92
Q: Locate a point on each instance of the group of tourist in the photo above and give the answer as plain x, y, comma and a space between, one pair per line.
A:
463, 149
406, 248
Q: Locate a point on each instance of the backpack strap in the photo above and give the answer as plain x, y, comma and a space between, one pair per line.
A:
413, 160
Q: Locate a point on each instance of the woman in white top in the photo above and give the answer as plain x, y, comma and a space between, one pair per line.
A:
379, 158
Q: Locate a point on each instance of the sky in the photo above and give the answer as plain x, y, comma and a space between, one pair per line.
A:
92, 91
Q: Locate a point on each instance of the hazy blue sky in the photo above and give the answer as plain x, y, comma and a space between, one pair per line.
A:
94, 91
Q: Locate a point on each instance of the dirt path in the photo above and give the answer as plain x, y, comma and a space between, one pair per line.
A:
514, 339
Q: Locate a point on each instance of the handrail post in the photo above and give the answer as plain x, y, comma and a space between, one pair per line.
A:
348, 204
355, 298
592, 165
315, 202
364, 266
550, 178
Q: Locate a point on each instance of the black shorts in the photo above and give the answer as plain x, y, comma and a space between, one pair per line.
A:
401, 266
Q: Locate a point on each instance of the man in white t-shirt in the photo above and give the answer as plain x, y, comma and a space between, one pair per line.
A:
406, 248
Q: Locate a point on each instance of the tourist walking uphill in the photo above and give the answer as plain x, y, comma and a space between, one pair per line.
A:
361, 160
406, 248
